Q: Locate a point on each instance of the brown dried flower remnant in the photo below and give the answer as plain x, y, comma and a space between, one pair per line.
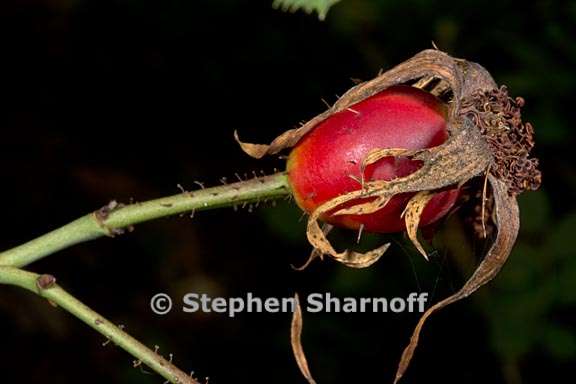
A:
499, 119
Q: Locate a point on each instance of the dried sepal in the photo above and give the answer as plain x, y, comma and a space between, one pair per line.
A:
412, 213
296, 341
507, 224
254, 150
353, 259
315, 253
380, 153
365, 208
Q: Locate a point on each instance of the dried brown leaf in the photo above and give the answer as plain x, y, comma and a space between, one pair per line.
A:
507, 223
296, 341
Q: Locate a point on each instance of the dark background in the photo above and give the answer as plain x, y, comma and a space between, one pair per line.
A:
125, 99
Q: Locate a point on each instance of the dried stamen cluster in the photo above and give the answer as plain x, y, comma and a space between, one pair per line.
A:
499, 119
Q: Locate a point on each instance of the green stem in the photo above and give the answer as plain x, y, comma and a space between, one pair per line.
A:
110, 221
45, 286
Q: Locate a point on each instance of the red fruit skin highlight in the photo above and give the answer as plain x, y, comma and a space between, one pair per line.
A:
320, 165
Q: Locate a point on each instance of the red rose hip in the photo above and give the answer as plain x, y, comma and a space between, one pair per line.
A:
326, 162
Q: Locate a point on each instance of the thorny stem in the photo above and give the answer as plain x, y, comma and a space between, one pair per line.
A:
45, 286
114, 219
109, 221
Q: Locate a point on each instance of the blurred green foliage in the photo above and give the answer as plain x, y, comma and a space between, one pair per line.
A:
321, 7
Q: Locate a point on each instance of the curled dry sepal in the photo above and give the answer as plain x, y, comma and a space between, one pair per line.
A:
486, 138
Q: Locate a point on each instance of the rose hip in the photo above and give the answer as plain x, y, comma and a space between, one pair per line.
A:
326, 162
